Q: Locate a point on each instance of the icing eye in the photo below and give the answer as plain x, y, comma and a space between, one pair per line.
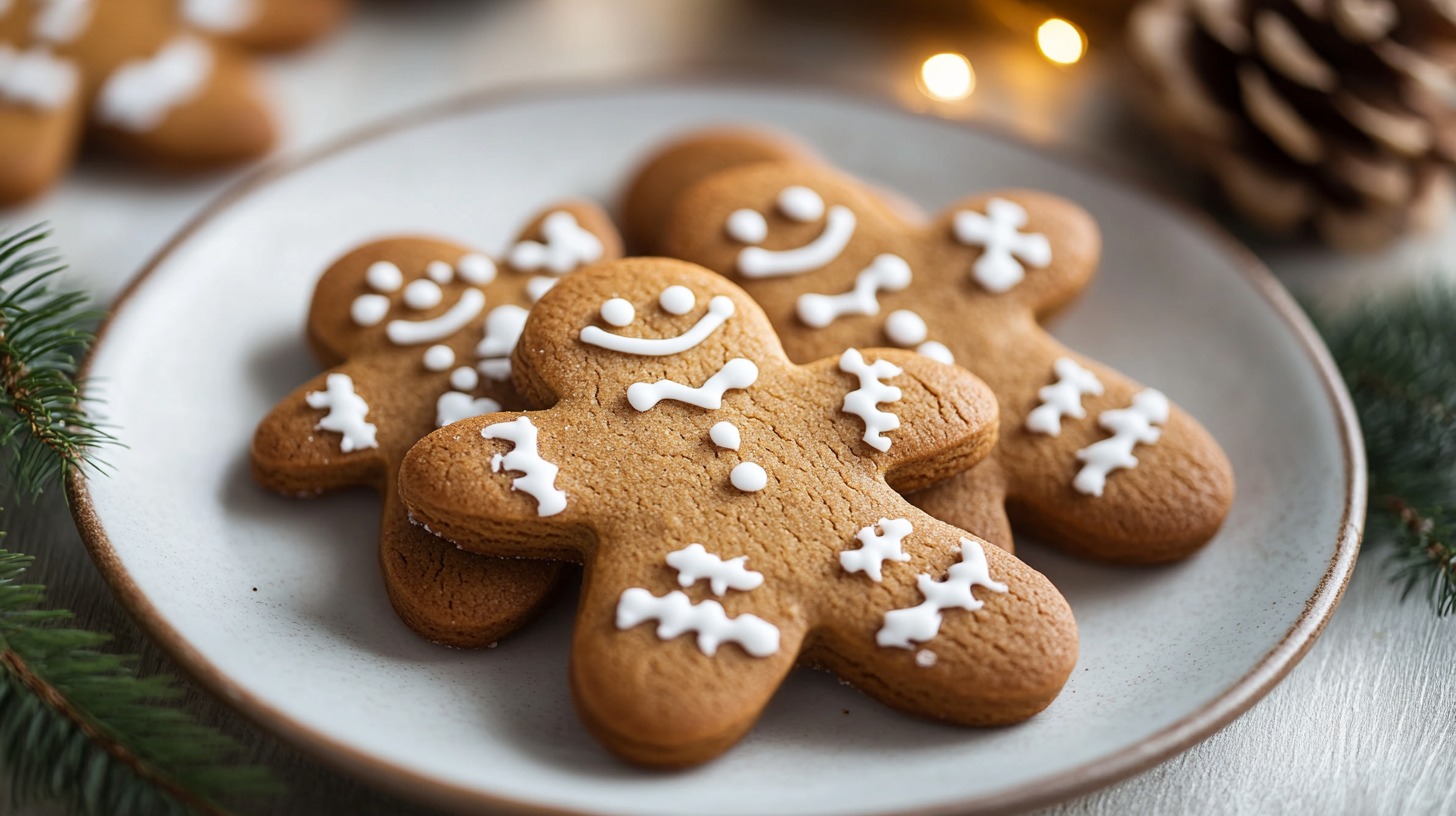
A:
384, 276
747, 227
905, 328
439, 358
475, 268
801, 204
464, 378
422, 294
678, 300
368, 310
619, 312
440, 272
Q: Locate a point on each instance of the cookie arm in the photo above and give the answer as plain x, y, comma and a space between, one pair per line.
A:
291, 454
500, 484
944, 418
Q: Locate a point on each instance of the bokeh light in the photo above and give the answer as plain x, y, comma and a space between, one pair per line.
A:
1060, 41
947, 77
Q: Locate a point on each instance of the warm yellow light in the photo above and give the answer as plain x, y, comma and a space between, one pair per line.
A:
1060, 41
947, 77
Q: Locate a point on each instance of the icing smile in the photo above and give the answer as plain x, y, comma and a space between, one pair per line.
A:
409, 332
799, 204
720, 308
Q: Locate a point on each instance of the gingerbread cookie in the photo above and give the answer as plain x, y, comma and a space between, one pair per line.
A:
1088, 459
419, 334
736, 517
134, 75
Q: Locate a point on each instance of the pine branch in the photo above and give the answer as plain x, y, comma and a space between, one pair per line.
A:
1399, 360
42, 420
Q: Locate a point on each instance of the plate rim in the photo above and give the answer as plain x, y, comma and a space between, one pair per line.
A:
365, 768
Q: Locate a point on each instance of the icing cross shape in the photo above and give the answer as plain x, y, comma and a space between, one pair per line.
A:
1129, 427
538, 476
877, 548
346, 412
917, 624
872, 391
676, 614
36, 77
564, 247
143, 91
694, 563
1005, 247
1062, 398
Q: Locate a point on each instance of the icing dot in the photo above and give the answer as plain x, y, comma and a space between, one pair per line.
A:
422, 294
937, 352
367, 310
748, 477
926, 658
384, 276
905, 328
725, 435
678, 300
475, 268
439, 358
440, 272
464, 378
801, 204
747, 226
619, 312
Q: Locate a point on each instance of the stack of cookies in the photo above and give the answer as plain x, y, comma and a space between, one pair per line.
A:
800, 434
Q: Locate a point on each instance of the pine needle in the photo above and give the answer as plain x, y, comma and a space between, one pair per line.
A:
1399, 361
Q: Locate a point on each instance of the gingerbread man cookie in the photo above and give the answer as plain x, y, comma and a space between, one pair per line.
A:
736, 517
134, 75
1088, 459
419, 334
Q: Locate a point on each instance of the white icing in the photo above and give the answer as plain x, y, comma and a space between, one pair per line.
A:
747, 226
694, 563
422, 294
677, 300
619, 312
439, 358
475, 268
903, 627
384, 276
905, 328
999, 233
1129, 426
926, 658
720, 308
61, 21
801, 204
936, 351
219, 15
440, 272
538, 476
410, 332
347, 411
464, 378
453, 406
567, 245
871, 392
139, 94
537, 287
36, 78
757, 262
496, 369
748, 477
1062, 398
368, 310
503, 327
736, 373
725, 435
886, 273
875, 549
676, 615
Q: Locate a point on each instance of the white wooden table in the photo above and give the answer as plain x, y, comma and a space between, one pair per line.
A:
1363, 725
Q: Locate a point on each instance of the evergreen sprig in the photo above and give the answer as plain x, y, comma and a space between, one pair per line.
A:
78, 726
1398, 358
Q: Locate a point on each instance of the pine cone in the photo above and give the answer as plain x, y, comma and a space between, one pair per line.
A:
1331, 114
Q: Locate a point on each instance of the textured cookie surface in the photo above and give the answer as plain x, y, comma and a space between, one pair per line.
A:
419, 333
736, 517
1088, 459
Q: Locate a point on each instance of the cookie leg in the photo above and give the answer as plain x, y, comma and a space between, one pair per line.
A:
974, 501
664, 702
36, 146
456, 598
996, 665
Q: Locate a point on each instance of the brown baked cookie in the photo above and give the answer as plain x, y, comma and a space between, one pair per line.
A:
736, 516
1088, 459
265, 25
418, 333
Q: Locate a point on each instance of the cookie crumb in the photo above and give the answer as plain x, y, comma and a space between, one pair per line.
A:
845, 710
255, 589
492, 645
925, 658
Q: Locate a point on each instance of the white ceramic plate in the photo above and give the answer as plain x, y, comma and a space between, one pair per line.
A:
276, 604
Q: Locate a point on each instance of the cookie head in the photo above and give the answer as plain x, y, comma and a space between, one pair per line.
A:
663, 319
372, 300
